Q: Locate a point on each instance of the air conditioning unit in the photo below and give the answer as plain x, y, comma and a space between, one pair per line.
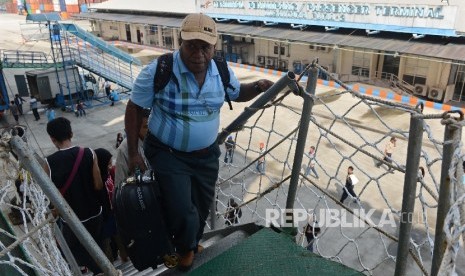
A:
436, 94
261, 60
420, 89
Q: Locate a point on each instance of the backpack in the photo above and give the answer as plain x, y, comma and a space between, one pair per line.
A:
164, 73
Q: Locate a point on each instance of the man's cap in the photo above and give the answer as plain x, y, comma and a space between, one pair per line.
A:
230, 138
199, 26
393, 138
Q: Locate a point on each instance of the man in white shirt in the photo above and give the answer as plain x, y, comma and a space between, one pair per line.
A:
388, 150
351, 180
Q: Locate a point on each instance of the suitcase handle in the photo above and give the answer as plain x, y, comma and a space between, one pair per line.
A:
140, 177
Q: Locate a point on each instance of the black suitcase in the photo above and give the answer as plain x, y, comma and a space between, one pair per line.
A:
141, 225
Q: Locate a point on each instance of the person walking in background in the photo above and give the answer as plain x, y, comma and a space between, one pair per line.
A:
261, 161
114, 97
312, 163
351, 180
74, 171
233, 213
111, 241
14, 111
311, 231
33, 103
107, 87
50, 113
388, 150
229, 145
19, 103
119, 139
80, 111
181, 145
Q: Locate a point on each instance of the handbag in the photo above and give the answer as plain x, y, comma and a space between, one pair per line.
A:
73, 172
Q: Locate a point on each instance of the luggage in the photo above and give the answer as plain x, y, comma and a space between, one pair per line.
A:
140, 223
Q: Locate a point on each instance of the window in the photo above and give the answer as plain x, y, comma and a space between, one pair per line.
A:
411, 79
276, 50
361, 64
113, 27
415, 71
153, 29
458, 78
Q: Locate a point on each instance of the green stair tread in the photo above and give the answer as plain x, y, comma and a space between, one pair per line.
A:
270, 253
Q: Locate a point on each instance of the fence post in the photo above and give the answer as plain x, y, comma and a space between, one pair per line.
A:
27, 159
213, 212
452, 137
410, 187
66, 251
301, 139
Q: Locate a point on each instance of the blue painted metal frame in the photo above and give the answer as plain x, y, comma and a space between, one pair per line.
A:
97, 42
4, 95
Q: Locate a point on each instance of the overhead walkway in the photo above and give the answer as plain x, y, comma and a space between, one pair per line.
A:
73, 46
95, 55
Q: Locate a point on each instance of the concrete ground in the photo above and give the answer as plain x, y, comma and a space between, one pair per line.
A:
371, 124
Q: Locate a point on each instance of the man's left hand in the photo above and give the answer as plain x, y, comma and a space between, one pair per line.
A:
263, 85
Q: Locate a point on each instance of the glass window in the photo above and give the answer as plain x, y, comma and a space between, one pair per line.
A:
361, 64
415, 71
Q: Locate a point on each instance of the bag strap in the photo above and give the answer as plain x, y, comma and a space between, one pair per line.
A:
223, 70
73, 172
164, 73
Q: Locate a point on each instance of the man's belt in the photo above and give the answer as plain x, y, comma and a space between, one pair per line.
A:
196, 153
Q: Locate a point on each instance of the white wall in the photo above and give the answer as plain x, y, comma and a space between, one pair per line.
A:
9, 75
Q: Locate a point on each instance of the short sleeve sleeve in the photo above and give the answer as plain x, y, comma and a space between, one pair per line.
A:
142, 90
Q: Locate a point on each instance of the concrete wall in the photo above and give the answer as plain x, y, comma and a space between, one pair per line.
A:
9, 75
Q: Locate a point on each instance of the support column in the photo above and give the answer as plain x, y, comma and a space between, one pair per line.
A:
410, 187
300, 146
452, 137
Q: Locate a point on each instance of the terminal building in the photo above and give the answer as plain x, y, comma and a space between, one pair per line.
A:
415, 47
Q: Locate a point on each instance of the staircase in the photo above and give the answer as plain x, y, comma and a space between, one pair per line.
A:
99, 57
72, 46
249, 249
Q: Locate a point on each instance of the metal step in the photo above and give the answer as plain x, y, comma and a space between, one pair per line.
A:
214, 242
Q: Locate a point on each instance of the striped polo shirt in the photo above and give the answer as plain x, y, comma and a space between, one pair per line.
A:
185, 118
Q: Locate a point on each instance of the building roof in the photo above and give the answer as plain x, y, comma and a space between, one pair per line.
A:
432, 48
176, 6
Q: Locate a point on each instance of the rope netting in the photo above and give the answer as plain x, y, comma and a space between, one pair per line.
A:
25, 206
346, 129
